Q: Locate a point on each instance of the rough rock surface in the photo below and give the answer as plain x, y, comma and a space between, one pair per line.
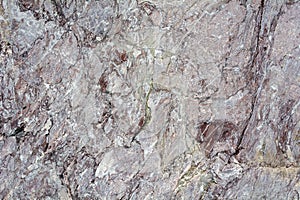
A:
158, 99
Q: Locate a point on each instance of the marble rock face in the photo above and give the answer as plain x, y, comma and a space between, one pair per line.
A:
158, 99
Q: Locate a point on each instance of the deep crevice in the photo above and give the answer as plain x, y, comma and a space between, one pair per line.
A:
253, 63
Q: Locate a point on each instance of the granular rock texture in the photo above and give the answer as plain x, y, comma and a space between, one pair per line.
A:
158, 99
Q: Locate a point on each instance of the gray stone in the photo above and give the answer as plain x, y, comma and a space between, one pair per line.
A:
150, 99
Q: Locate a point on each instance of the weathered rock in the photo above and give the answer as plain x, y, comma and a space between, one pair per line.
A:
150, 99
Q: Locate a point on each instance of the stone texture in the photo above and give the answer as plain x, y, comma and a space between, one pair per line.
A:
150, 99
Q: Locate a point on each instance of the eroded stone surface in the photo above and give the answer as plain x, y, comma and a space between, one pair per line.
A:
150, 99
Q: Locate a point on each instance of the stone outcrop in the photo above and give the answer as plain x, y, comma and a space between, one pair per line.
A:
158, 99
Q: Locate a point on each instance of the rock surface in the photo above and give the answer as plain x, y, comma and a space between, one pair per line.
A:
155, 99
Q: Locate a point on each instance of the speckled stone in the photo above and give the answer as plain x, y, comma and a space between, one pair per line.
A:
158, 99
